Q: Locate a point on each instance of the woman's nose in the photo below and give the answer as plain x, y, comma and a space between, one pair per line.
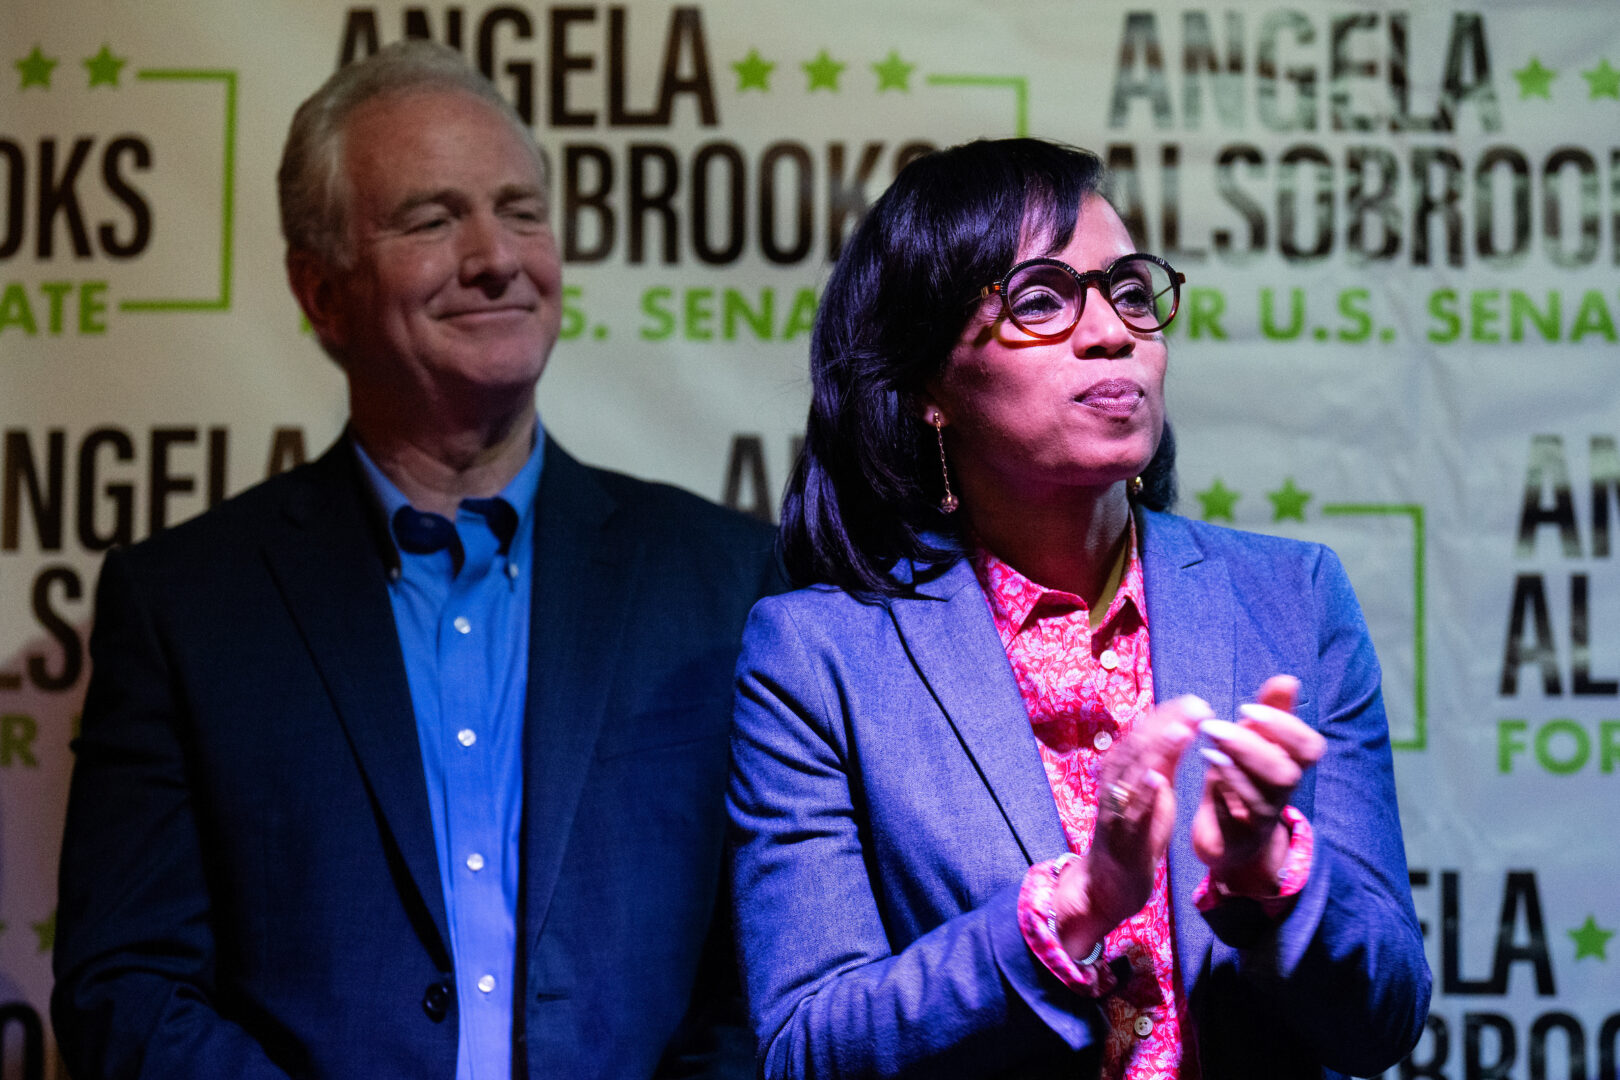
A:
1100, 332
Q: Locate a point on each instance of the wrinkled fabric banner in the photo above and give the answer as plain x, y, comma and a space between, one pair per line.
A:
1400, 227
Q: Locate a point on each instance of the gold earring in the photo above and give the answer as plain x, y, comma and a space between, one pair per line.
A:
1134, 488
950, 502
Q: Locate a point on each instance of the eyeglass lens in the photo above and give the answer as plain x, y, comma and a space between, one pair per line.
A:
1046, 297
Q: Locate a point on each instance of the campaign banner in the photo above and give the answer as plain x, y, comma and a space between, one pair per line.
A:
1400, 229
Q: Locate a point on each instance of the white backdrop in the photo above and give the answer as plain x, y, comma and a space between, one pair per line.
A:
1400, 225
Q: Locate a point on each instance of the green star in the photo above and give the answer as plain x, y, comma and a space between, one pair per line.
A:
1288, 502
753, 72
1604, 81
1535, 80
1218, 501
823, 72
1590, 939
894, 73
36, 69
104, 67
47, 932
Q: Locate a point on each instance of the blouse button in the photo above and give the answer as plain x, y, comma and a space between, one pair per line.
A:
1143, 1026
1109, 659
1102, 740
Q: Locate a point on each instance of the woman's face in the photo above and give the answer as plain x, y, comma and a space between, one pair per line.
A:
1040, 417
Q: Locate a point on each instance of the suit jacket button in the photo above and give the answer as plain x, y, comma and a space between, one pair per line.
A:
436, 1002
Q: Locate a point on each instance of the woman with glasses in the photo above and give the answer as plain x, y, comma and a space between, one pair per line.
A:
1033, 777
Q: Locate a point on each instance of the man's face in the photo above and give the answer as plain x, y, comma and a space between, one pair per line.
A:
454, 291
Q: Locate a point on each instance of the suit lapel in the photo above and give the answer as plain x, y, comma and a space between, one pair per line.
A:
325, 562
1191, 613
583, 566
950, 636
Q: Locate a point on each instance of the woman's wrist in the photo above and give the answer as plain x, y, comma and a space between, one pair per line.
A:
1258, 876
1080, 929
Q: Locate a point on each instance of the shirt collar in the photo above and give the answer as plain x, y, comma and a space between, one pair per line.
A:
388, 500
1013, 597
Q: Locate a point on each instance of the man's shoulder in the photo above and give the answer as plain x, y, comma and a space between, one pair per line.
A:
682, 510
676, 523
245, 520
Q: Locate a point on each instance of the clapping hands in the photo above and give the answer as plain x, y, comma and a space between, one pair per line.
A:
1252, 769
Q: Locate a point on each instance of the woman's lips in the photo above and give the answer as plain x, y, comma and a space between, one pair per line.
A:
1116, 397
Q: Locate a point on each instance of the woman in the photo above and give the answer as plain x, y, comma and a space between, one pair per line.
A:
966, 841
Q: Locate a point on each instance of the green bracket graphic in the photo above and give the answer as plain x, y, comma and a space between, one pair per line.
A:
1420, 706
1016, 83
227, 198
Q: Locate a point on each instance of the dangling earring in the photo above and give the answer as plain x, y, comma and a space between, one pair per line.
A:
949, 503
1134, 489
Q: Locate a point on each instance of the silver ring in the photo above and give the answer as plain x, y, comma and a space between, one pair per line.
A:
1117, 799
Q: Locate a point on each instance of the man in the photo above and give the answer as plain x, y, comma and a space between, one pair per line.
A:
410, 762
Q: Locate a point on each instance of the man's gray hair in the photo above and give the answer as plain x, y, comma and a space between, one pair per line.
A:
310, 183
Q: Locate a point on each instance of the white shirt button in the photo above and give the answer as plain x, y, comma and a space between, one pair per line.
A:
486, 983
462, 625
1143, 1025
1109, 659
475, 862
512, 571
1102, 740
466, 736
394, 573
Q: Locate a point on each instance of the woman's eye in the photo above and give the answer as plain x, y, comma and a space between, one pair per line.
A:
1036, 305
1133, 296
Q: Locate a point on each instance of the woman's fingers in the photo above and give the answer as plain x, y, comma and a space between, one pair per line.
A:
1279, 692
1251, 771
1268, 765
1302, 742
1233, 793
1154, 746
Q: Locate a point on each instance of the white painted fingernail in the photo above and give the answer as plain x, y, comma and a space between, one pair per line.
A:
1215, 757
1219, 730
1196, 707
1254, 711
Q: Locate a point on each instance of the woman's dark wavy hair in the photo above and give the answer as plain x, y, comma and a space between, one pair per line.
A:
865, 491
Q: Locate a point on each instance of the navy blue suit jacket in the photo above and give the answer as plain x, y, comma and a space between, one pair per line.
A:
887, 798
249, 886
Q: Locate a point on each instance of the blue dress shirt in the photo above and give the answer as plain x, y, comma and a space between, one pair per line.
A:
460, 594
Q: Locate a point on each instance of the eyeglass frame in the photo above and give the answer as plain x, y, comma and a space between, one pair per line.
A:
1084, 280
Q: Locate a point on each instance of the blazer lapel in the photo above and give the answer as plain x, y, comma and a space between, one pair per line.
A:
950, 636
1191, 631
583, 567
327, 566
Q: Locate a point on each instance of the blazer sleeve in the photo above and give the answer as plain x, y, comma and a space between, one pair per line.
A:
135, 953
1345, 969
829, 993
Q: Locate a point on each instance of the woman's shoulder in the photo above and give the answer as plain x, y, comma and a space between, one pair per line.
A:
1173, 533
844, 615
821, 605
1265, 571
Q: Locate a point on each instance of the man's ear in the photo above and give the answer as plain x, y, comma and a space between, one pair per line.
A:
314, 284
